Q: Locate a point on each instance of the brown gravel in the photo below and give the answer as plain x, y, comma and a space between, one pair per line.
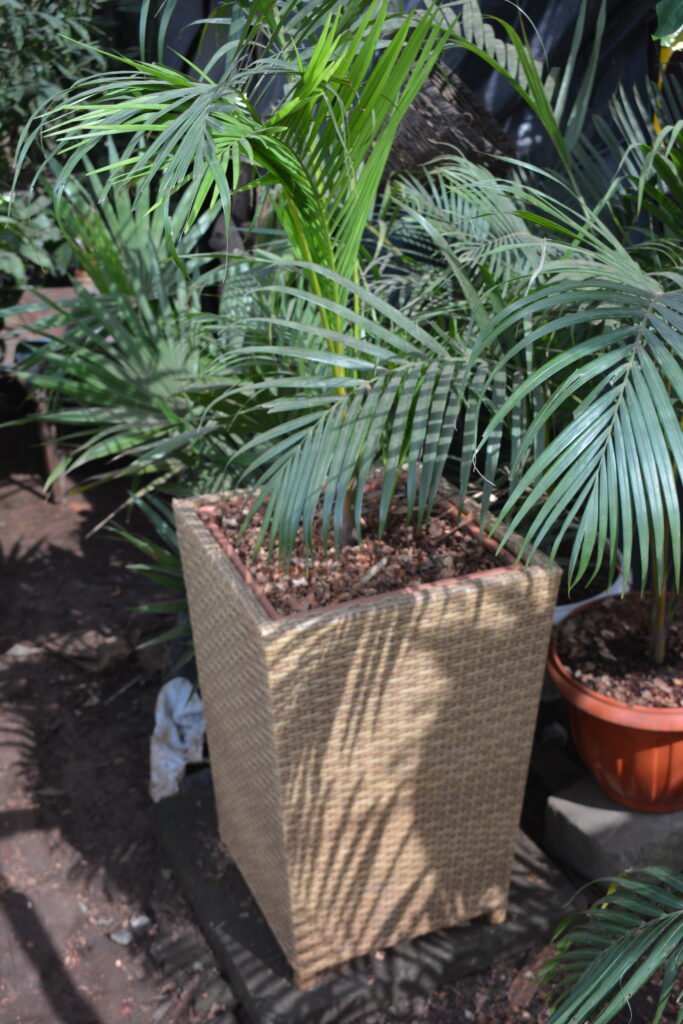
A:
403, 557
607, 647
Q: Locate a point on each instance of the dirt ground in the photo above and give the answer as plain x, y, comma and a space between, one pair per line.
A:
78, 857
77, 852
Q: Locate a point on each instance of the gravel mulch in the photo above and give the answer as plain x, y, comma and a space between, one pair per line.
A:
608, 649
402, 557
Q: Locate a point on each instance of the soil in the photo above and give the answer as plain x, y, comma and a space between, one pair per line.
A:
511, 996
78, 855
607, 648
402, 558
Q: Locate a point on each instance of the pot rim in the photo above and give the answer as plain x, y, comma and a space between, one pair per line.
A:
413, 588
609, 709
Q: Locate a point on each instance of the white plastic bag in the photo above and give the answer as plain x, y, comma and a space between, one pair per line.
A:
178, 737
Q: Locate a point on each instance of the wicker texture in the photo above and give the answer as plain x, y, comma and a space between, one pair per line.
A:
370, 760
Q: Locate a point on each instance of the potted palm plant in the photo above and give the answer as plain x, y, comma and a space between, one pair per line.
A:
605, 399
365, 789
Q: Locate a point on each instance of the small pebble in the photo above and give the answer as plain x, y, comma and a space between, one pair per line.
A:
140, 922
122, 937
23, 651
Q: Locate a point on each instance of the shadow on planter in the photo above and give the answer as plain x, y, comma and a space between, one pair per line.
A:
369, 760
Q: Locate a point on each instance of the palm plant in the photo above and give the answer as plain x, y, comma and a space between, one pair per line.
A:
583, 347
532, 344
405, 395
120, 379
608, 317
161, 567
320, 149
606, 955
575, 313
572, 353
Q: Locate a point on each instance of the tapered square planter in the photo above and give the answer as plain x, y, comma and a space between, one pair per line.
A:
369, 760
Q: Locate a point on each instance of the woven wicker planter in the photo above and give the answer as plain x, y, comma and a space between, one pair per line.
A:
369, 760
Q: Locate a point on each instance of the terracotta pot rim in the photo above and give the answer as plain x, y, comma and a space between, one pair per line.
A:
413, 588
609, 709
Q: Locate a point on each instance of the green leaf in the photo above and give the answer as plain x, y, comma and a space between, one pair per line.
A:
605, 957
669, 19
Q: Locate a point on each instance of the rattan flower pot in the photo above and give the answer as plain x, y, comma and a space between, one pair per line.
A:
369, 760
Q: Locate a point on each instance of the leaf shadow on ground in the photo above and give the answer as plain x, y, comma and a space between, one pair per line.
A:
79, 747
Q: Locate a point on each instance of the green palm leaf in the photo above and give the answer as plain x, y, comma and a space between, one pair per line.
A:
602, 393
391, 396
120, 371
619, 451
608, 954
323, 147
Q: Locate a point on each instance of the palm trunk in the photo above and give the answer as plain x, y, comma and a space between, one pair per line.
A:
659, 626
347, 533
659, 623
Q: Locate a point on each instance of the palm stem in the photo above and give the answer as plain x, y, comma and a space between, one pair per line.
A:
347, 534
659, 624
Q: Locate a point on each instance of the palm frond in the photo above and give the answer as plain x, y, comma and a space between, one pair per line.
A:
388, 394
605, 956
613, 394
120, 364
323, 146
473, 222
162, 567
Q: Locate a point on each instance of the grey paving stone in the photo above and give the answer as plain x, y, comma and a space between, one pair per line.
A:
247, 953
597, 837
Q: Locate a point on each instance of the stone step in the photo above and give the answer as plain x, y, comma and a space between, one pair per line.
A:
587, 831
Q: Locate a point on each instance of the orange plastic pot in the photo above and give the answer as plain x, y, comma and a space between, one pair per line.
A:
635, 753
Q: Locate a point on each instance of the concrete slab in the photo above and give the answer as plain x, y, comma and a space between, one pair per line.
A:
249, 956
595, 836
